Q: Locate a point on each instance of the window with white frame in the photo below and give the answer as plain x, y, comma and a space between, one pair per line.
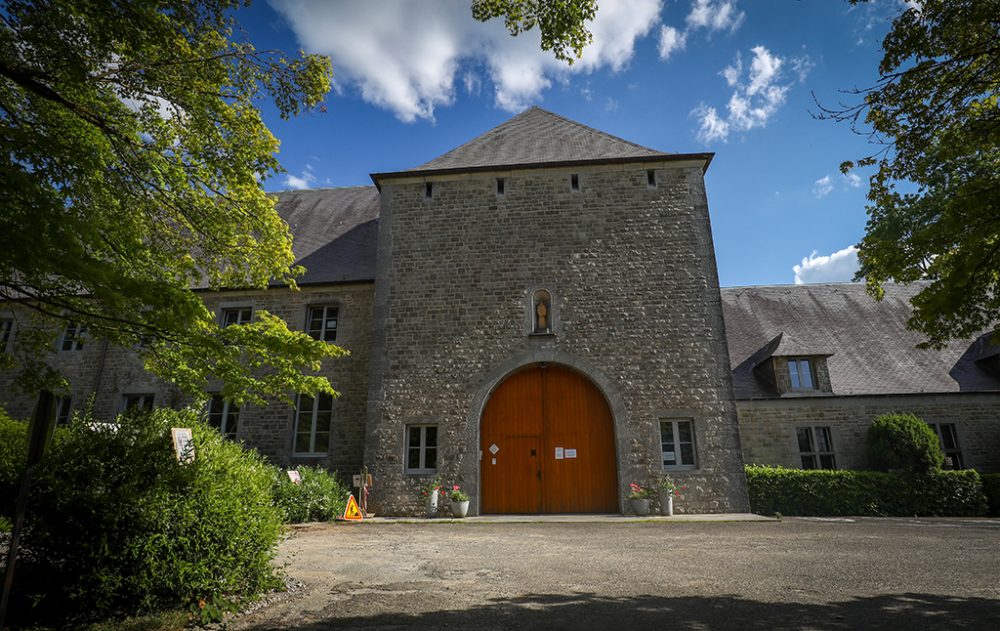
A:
6, 329
816, 447
800, 374
64, 407
224, 415
421, 448
677, 443
948, 436
72, 338
323, 322
239, 315
143, 401
313, 418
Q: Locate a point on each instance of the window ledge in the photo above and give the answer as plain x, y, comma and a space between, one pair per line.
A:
802, 394
416, 472
542, 334
311, 455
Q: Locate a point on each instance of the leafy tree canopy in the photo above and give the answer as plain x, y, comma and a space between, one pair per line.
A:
133, 159
563, 23
934, 210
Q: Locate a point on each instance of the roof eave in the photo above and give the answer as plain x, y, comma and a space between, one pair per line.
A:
669, 157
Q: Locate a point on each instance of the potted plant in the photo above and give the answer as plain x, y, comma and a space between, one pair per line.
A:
430, 493
638, 499
459, 502
668, 490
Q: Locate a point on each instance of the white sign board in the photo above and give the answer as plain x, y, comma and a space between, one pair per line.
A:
668, 455
494, 449
294, 476
356, 480
570, 453
183, 444
560, 452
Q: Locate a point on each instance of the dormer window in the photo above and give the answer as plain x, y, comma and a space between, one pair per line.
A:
800, 374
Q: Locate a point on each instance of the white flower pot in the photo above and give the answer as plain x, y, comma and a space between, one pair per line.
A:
432, 503
667, 503
460, 509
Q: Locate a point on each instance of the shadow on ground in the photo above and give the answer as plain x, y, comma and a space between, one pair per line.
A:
582, 611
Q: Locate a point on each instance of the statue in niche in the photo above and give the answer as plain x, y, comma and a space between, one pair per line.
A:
542, 312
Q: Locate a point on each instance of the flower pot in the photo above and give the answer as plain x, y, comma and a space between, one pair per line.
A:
432, 503
639, 507
460, 509
667, 503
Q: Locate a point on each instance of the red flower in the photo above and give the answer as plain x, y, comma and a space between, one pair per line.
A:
454, 488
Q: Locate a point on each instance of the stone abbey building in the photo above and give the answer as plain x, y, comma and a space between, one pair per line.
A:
536, 316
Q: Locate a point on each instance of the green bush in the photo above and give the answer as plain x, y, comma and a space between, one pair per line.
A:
905, 442
844, 492
320, 497
13, 451
116, 526
991, 488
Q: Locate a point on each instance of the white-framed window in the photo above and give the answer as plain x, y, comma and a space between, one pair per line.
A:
816, 447
64, 409
421, 448
948, 436
800, 374
141, 401
72, 337
323, 322
224, 415
6, 332
313, 419
677, 444
237, 315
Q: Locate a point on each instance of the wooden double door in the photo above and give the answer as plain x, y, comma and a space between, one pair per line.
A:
548, 445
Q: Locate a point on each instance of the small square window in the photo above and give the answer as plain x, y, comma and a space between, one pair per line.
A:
816, 447
800, 374
948, 436
241, 315
574, 182
421, 448
224, 415
137, 402
677, 444
501, 185
6, 329
72, 339
323, 322
313, 422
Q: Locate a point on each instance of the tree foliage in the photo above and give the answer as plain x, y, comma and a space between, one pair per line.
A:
562, 23
905, 442
934, 210
134, 153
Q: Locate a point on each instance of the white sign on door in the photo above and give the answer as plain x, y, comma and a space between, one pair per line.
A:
559, 453
570, 453
494, 449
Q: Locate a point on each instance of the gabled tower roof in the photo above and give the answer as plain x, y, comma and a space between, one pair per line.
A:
537, 137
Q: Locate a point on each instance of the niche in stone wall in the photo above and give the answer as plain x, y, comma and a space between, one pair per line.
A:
541, 312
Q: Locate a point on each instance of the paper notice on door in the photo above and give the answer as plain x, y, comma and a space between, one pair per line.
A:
668, 455
571, 453
560, 453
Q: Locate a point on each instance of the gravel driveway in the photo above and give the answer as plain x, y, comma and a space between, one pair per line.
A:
909, 574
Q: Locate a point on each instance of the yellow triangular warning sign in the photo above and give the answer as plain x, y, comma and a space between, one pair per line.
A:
352, 512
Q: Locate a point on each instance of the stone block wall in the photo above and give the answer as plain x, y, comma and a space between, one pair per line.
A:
109, 373
631, 269
767, 428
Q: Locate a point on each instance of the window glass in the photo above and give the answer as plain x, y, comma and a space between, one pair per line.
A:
948, 437
816, 447
73, 337
137, 401
64, 407
313, 421
421, 450
323, 323
677, 443
800, 374
6, 326
241, 315
224, 416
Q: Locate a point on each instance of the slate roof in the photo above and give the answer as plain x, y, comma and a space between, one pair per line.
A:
334, 232
538, 137
872, 351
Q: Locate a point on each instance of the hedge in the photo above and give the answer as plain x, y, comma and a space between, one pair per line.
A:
320, 497
991, 487
825, 492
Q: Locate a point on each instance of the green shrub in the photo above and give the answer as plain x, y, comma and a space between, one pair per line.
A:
13, 451
844, 492
905, 442
116, 526
320, 497
991, 488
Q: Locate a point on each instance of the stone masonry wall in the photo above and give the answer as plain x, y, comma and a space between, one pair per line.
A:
767, 428
112, 372
635, 297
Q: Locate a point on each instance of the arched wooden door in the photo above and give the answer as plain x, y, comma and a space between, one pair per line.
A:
548, 445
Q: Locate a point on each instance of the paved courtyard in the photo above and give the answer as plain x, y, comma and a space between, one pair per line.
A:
798, 573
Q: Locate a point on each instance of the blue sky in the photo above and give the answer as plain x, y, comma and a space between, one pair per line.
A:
417, 78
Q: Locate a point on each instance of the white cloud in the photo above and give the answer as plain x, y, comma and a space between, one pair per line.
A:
671, 40
837, 267
754, 100
852, 180
405, 57
299, 182
822, 187
715, 16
